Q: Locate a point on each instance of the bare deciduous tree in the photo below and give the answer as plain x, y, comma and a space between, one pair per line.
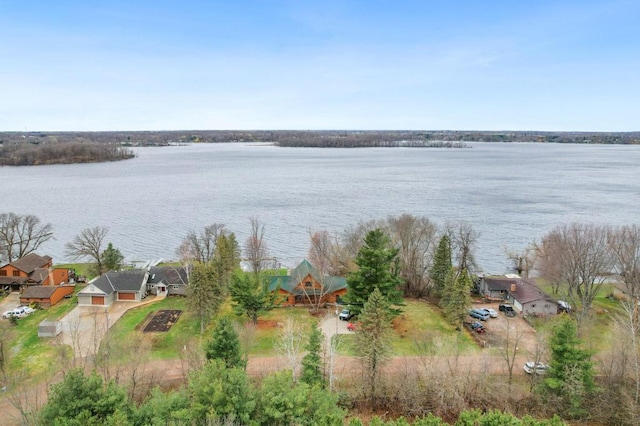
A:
415, 238
522, 261
256, 251
625, 246
202, 247
579, 256
290, 344
463, 240
21, 235
88, 244
321, 252
512, 334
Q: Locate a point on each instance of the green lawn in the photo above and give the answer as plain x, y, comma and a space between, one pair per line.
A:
267, 332
80, 268
597, 328
420, 330
164, 344
30, 353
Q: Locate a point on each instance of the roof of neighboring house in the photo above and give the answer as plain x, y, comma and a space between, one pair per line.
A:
500, 283
31, 262
527, 291
38, 292
169, 275
39, 274
130, 280
12, 280
289, 282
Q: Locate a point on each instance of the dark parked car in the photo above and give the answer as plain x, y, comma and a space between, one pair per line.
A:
507, 309
477, 327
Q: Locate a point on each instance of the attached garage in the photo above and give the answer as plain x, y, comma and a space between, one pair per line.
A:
126, 296
97, 300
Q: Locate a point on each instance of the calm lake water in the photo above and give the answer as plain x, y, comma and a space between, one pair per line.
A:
511, 193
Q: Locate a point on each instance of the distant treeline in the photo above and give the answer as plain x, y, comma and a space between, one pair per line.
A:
31, 154
326, 138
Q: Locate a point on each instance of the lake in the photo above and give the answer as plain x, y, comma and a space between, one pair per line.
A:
512, 193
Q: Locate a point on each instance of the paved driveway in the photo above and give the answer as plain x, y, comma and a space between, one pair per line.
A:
84, 327
9, 302
333, 325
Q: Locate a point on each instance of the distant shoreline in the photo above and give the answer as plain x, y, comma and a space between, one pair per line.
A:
41, 148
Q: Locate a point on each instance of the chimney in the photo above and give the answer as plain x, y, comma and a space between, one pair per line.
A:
513, 287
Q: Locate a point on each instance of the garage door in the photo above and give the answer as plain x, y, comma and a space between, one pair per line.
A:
97, 300
126, 296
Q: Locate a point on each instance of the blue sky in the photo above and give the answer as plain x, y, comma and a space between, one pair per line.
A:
376, 64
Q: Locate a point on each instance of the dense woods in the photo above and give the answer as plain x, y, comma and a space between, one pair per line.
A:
33, 154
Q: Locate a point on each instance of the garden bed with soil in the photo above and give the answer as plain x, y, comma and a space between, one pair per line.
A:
162, 321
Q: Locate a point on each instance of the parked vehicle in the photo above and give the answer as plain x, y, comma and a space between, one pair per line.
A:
564, 306
492, 312
345, 315
18, 312
507, 309
477, 327
479, 314
537, 368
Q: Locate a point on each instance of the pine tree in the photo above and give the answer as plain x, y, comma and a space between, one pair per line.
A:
312, 371
441, 264
225, 260
377, 269
456, 296
373, 337
571, 375
251, 296
225, 345
111, 258
204, 295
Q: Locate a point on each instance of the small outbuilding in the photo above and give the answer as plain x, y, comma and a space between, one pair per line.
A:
45, 296
48, 328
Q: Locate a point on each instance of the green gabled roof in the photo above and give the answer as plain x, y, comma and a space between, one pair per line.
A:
288, 282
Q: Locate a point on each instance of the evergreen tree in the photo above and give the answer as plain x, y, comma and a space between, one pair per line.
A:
84, 400
204, 295
111, 259
160, 408
377, 268
225, 260
441, 264
251, 296
312, 368
225, 345
373, 337
221, 394
570, 377
281, 403
456, 297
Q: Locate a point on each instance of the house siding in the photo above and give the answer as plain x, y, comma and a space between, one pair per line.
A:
540, 307
10, 269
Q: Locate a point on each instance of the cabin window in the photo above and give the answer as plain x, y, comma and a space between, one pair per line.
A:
3, 273
175, 287
16, 273
308, 284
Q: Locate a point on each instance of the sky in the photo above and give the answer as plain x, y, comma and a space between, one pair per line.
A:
550, 65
